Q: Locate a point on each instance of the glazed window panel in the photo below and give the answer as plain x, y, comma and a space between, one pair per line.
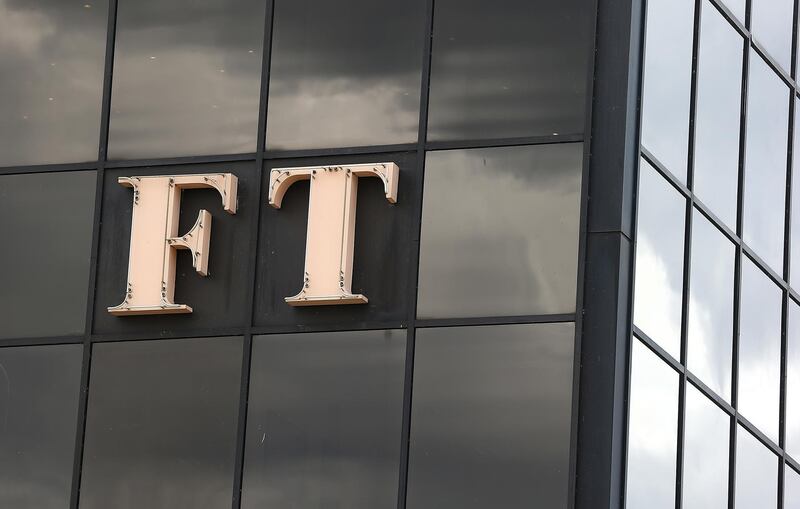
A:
791, 494
756, 473
792, 444
772, 24
794, 234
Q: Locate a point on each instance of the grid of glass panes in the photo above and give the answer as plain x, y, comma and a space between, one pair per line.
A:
714, 415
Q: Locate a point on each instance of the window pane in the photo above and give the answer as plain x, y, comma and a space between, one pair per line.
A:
659, 260
39, 390
52, 58
161, 424
710, 335
705, 456
765, 171
667, 80
46, 225
652, 431
490, 421
324, 420
793, 381
759, 349
794, 274
187, 78
791, 496
345, 73
719, 88
756, 473
771, 24
736, 7
500, 231
509, 68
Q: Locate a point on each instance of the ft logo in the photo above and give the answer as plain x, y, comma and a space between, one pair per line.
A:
330, 233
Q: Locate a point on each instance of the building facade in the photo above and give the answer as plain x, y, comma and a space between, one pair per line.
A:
441, 254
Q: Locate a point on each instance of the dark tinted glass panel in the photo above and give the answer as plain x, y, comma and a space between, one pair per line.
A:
491, 417
771, 23
659, 260
187, 77
46, 225
705, 453
719, 88
39, 389
759, 349
500, 231
765, 172
756, 473
710, 335
52, 56
794, 274
791, 497
793, 381
161, 424
667, 80
652, 431
509, 68
345, 73
324, 420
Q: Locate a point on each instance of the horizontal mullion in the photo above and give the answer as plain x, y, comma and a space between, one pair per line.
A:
505, 142
44, 340
168, 161
178, 334
49, 168
494, 320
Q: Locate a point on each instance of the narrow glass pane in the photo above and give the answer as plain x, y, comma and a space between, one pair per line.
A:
324, 420
772, 24
52, 56
791, 494
737, 8
490, 420
794, 238
500, 231
509, 68
652, 431
719, 100
705, 453
759, 349
667, 82
793, 381
46, 222
39, 390
161, 424
659, 260
187, 78
765, 171
345, 73
710, 335
756, 473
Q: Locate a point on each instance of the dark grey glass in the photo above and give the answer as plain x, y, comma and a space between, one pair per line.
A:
187, 77
490, 420
509, 68
719, 99
39, 390
756, 473
793, 381
161, 424
794, 234
324, 420
345, 73
759, 349
52, 57
46, 225
791, 494
705, 453
667, 80
710, 333
765, 169
772, 24
500, 231
652, 431
659, 260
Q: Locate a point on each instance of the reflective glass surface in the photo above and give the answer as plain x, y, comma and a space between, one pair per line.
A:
509, 68
39, 390
161, 424
52, 56
667, 82
490, 420
756, 473
324, 420
759, 349
659, 260
794, 238
46, 230
765, 171
652, 431
705, 453
737, 7
187, 77
793, 381
710, 334
500, 231
345, 73
719, 88
791, 494
771, 23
